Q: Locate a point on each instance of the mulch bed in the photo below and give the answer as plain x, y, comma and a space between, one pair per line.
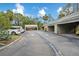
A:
8, 41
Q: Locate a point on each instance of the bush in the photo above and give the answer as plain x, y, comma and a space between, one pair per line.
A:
4, 35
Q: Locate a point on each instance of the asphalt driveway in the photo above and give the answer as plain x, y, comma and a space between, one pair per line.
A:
37, 43
31, 44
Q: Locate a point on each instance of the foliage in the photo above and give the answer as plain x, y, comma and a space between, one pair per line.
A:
4, 21
61, 15
45, 17
39, 25
66, 10
20, 20
9, 14
4, 34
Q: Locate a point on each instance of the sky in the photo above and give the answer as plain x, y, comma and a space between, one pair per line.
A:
33, 9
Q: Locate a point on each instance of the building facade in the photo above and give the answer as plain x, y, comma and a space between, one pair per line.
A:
69, 22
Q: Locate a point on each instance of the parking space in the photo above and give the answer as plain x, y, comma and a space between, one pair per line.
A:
51, 28
69, 28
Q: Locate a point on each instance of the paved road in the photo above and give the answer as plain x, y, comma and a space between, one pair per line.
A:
37, 43
30, 45
68, 45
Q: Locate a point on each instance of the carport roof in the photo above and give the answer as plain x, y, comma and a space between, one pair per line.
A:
67, 19
31, 26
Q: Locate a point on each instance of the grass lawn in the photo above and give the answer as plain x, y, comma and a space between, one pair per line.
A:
7, 41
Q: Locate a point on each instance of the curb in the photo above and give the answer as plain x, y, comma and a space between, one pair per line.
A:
10, 43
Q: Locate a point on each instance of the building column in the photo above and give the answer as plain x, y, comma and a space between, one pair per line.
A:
56, 28
37, 27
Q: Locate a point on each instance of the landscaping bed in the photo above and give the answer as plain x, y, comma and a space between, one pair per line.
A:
8, 41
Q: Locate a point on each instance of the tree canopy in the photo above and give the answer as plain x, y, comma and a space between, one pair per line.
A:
20, 20
4, 21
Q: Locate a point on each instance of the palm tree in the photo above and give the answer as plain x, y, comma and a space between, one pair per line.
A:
61, 15
45, 18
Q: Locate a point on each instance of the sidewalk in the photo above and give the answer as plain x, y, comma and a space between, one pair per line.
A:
67, 46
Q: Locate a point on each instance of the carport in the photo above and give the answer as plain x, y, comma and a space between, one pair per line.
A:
51, 28
68, 24
31, 27
69, 28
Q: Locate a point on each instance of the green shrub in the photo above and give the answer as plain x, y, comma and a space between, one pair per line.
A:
4, 35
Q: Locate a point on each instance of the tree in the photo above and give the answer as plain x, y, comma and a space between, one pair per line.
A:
9, 18
39, 25
9, 14
51, 19
4, 21
61, 15
45, 17
18, 18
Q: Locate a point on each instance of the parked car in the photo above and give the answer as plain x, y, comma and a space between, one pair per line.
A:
16, 30
22, 30
4, 34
